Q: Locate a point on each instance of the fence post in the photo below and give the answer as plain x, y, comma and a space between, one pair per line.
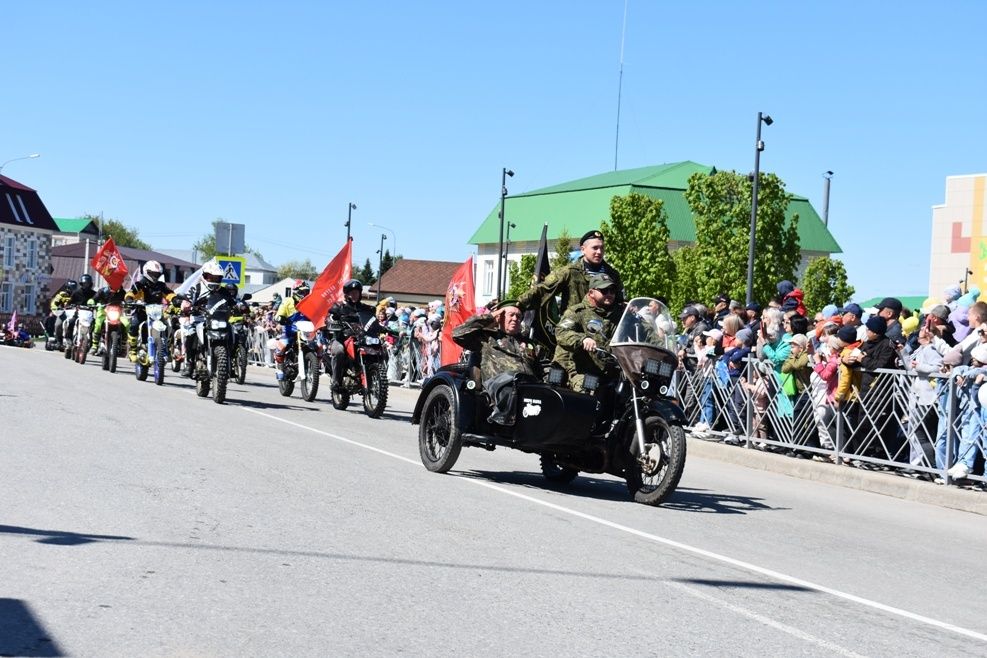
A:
838, 443
749, 397
950, 425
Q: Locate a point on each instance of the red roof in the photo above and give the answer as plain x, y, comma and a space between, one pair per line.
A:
418, 277
22, 207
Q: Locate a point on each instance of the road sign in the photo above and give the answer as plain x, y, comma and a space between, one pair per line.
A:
229, 238
233, 267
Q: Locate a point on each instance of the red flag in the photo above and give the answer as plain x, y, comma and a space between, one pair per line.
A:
108, 261
328, 288
460, 305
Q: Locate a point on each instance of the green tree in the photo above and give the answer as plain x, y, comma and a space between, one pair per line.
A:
388, 261
721, 205
298, 269
123, 236
205, 247
520, 276
686, 261
636, 238
825, 282
365, 274
563, 245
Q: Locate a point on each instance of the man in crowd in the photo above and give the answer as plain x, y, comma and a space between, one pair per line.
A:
571, 282
890, 310
586, 327
497, 348
852, 315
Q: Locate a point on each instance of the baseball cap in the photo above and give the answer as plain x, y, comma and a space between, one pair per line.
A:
890, 302
714, 333
853, 308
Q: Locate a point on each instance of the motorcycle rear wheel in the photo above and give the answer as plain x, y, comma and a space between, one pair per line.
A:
221, 373
140, 370
68, 348
310, 385
375, 397
286, 387
653, 488
439, 439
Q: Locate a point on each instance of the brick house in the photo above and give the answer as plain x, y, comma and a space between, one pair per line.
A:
26, 229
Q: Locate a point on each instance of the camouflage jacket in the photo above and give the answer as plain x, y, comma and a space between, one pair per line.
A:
499, 352
585, 321
571, 283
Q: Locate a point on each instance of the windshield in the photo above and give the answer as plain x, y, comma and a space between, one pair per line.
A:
646, 320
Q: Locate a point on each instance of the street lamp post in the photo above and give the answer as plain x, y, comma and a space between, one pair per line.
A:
827, 176
380, 263
349, 218
23, 157
758, 147
500, 247
507, 249
394, 239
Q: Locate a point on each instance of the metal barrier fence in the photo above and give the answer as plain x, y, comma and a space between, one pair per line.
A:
410, 361
894, 424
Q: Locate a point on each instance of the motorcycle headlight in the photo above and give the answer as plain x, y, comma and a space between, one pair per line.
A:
370, 340
217, 324
113, 315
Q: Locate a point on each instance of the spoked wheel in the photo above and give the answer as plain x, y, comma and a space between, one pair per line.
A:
652, 481
556, 473
69, 347
203, 381
220, 373
106, 356
113, 351
159, 362
310, 385
286, 386
340, 399
375, 397
439, 440
81, 351
240, 364
141, 367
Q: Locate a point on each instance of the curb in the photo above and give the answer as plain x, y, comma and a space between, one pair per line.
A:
885, 484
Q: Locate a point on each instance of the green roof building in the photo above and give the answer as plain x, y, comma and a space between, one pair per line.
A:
74, 229
581, 205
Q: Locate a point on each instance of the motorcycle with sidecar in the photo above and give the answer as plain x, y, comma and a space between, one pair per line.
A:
628, 425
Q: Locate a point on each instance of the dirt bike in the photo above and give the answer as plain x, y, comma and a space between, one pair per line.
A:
366, 372
209, 345
114, 340
306, 367
83, 327
627, 425
153, 339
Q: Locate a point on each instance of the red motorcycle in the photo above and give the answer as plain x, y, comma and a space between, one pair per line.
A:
366, 374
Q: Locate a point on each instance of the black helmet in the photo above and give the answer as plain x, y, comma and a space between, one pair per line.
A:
71, 286
86, 281
352, 284
232, 289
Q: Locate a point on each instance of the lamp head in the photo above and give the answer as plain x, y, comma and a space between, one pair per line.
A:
509, 172
828, 174
767, 120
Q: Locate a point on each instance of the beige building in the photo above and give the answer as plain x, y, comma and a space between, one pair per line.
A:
959, 236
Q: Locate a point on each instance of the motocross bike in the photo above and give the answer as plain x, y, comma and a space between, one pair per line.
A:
301, 360
114, 338
83, 327
68, 326
153, 339
240, 333
627, 425
366, 373
209, 345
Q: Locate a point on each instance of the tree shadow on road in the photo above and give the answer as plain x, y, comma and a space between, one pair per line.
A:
60, 537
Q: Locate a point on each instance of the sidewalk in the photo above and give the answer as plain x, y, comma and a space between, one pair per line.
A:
887, 484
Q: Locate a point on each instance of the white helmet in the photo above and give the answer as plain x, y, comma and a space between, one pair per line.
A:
153, 270
212, 274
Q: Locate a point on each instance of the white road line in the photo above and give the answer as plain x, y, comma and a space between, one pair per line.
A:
747, 566
767, 621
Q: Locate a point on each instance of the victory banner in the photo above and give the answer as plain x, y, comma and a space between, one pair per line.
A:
328, 288
460, 304
108, 262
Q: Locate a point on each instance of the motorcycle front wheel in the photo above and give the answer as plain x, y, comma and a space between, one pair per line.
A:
159, 362
664, 447
310, 385
111, 361
201, 384
81, 351
286, 387
375, 397
439, 440
240, 364
220, 373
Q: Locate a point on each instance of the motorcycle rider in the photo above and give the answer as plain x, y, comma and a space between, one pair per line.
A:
586, 327
105, 296
497, 348
286, 315
149, 289
571, 282
351, 309
58, 304
81, 294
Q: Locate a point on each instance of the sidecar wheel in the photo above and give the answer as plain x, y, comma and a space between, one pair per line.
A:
439, 440
555, 473
666, 444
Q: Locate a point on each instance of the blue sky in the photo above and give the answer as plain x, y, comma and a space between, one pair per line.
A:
168, 116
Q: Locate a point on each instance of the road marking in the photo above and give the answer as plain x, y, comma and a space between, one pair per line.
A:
746, 566
767, 621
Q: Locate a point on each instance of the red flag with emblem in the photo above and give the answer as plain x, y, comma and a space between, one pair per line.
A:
108, 261
460, 305
328, 288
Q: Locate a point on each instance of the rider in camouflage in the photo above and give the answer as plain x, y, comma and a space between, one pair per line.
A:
586, 327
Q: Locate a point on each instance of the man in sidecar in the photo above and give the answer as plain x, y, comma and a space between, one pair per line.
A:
502, 355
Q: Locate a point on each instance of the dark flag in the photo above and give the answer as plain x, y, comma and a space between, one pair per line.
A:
542, 266
543, 319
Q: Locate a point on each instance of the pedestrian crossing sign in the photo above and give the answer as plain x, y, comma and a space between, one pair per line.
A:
232, 269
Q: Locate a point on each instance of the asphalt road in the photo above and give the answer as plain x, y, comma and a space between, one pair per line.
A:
143, 521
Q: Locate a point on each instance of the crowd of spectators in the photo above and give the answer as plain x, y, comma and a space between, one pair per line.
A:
884, 372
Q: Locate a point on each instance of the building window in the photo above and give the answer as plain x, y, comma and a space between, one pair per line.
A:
6, 297
32, 253
30, 295
9, 246
488, 277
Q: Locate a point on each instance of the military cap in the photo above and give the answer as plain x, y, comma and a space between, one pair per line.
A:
505, 304
600, 282
590, 235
